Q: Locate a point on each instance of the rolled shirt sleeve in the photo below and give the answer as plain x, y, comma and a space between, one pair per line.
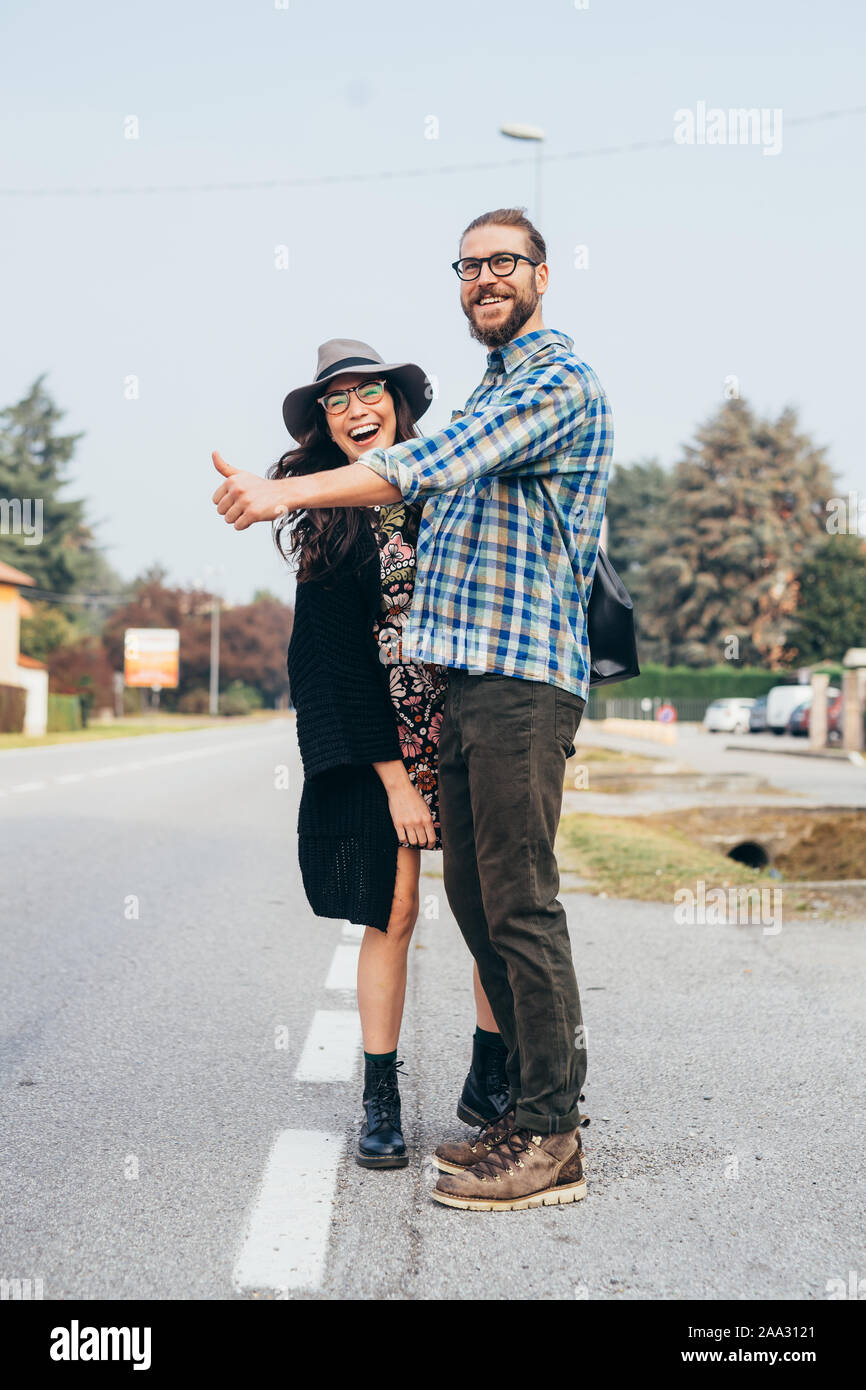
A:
551, 420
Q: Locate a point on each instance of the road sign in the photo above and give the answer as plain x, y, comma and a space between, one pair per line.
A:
666, 714
151, 657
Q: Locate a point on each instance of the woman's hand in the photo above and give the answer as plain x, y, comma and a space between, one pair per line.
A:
409, 811
245, 498
411, 816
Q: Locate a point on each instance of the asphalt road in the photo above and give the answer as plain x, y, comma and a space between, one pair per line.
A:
781, 760
162, 977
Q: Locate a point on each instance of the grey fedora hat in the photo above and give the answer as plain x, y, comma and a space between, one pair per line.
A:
339, 355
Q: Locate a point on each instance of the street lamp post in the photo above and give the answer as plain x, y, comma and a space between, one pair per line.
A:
214, 692
214, 698
536, 134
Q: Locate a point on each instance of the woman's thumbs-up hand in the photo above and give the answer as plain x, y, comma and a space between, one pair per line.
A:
244, 498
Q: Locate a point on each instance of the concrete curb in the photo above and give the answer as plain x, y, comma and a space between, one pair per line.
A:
839, 755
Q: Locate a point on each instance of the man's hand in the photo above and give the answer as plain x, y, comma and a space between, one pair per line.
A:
244, 498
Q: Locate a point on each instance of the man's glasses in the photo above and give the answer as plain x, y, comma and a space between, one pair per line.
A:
503, 263
336, 402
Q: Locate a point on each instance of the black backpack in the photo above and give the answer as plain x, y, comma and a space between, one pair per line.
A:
610, 627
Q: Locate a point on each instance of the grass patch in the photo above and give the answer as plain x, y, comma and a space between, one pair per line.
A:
592, 753
132, 728
627, 857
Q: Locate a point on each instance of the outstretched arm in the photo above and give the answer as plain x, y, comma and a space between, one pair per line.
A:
244, 498
555, 420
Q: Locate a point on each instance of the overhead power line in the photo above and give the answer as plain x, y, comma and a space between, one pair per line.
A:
383, 175
46, 596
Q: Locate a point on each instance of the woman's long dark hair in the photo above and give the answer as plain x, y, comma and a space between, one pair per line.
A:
323, 539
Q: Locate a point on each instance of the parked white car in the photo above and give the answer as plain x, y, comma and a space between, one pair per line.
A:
728, 716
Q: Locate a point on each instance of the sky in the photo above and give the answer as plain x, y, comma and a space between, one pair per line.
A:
172, 322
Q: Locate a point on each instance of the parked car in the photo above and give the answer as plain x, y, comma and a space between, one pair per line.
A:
781, 703
728, 716
834, 719
799, 698
758, 716
798, 724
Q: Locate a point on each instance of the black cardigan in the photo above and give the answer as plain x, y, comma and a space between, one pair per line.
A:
347, 844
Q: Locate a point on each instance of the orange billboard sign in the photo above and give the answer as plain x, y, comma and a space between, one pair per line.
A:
151, 657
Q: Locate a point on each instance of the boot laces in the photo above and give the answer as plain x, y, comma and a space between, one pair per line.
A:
496, 1078
506, 1155
494, 1130
387, 1095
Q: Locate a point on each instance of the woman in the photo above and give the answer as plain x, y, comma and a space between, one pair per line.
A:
368, 720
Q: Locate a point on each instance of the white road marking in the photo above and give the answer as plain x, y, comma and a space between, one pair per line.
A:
331, 1049
287, 1236
114, 769
238, 737
343, 973
352, 932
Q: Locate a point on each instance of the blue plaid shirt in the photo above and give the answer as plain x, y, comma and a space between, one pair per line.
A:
508, 539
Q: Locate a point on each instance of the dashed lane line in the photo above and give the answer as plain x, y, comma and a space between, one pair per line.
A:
343, 973
286, 1242
331, 1049
139, 765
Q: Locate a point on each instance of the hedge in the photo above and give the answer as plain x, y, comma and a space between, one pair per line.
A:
13, 705
698, 683
64, 713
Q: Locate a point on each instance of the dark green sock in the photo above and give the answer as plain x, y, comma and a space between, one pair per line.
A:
381, 1058
489, 1039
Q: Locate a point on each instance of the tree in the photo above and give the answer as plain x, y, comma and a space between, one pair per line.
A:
253, 637
34, 458
747, 509
638, 506
84, 670
831, 611
47, 629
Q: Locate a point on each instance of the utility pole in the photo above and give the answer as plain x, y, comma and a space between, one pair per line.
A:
214, 705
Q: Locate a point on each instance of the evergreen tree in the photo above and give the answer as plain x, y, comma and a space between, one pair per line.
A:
34, 460
747, 509
831, 612
637, 510
638, 502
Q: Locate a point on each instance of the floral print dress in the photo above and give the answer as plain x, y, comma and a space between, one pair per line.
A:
417, 688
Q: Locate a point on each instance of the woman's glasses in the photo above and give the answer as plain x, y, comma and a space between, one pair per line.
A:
336, 402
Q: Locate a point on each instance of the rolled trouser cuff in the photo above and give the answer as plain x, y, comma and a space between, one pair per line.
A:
547, 1124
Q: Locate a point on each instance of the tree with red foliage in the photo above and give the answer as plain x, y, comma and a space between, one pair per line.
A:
253, 637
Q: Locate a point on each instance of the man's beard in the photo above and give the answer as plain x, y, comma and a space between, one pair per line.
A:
523, 306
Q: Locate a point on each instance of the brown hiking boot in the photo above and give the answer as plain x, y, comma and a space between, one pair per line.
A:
456, 1158
523, 1170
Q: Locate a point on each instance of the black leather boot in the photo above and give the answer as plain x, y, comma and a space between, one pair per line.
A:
381, 1143
486, 1090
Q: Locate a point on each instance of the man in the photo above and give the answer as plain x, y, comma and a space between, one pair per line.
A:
515, 490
